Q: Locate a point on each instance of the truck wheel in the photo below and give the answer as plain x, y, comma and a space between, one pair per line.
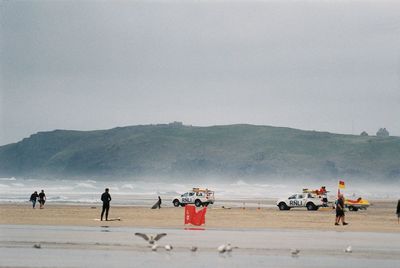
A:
311, 206
197, 203
283, 206
176, 203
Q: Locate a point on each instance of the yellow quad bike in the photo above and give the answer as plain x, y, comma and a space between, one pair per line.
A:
354, 205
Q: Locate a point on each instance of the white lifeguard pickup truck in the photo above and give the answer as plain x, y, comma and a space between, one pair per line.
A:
198, 197
307, 200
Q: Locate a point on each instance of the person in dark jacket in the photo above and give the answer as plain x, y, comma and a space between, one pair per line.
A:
34, 198
106, 198
398, 211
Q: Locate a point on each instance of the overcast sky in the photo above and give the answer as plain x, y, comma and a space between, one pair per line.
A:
327, 66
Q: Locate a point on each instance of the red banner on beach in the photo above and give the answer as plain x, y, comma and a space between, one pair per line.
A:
195, 217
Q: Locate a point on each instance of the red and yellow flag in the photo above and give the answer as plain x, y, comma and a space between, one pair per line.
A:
341, 185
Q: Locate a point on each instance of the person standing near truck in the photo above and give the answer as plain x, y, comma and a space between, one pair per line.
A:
106, 198
398, 211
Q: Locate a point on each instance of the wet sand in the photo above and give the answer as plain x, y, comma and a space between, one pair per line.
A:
72, 236
380, 217
109, 246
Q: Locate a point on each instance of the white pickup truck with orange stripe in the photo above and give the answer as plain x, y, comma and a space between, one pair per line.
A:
307, 200
198, 197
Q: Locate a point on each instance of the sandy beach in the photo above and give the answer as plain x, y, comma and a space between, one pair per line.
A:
380, 217
72, 236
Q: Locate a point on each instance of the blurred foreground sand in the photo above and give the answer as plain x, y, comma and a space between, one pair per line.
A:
380, 217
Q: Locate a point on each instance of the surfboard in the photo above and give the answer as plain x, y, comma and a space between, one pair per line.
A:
112, 219
155, 205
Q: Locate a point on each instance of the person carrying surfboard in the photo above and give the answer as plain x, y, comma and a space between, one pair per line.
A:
159, 202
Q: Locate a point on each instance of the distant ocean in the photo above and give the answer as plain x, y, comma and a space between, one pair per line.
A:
18, 190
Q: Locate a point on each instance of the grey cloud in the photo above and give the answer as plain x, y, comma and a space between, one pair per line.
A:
331, 66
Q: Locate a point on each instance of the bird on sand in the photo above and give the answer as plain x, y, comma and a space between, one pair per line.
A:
295, 252
150, 238
168, 247
348, 249
154, 247
37, 246
221, 248
193, 249
225, 248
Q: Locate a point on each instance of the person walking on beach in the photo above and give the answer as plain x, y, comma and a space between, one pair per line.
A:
34, 198
398, 211
42, 199
159, 202
340, 210
106, 198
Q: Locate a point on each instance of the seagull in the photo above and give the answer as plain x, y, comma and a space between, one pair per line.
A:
151, 239
228, 248
154, 247
193, 249
295, 252
168, 247
37, 246
221, 248
348, 249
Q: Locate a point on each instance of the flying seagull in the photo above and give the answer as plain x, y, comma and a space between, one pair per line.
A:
348, 249
150, 238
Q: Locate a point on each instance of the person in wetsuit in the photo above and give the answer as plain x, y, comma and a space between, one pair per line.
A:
106, 198
159, 202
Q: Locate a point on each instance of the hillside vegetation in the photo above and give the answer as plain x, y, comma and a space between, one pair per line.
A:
173, 150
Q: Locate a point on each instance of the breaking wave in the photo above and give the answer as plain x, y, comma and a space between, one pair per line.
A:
144, 192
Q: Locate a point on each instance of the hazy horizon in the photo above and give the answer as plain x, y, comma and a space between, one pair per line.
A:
331, 66
129, 191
